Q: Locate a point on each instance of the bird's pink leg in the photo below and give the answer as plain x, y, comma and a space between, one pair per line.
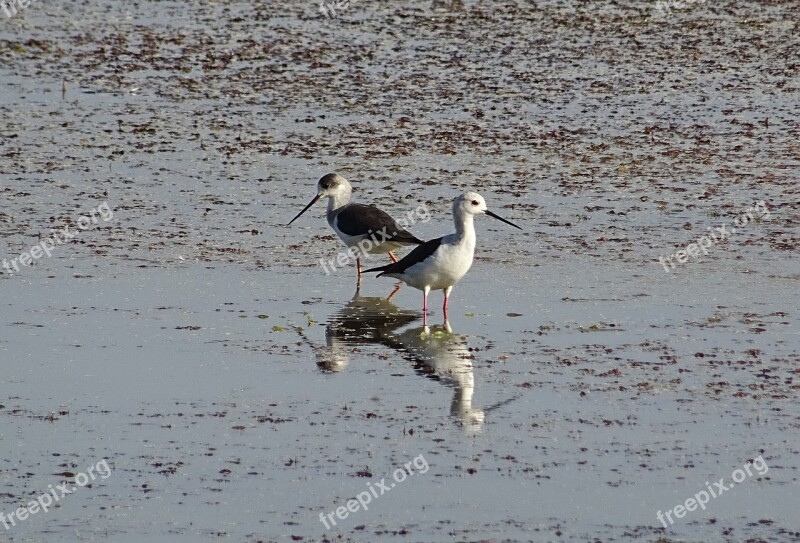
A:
392, 257
446, 300
425, 306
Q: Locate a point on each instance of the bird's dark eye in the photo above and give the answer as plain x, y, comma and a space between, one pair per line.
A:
474, 202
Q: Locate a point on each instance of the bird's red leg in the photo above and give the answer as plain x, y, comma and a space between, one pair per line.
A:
394, 292
392, 257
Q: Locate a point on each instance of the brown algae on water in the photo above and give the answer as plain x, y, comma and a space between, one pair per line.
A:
238, 391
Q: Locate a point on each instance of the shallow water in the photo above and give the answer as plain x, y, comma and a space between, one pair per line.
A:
238, 392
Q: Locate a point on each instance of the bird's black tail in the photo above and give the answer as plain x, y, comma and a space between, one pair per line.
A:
381, 269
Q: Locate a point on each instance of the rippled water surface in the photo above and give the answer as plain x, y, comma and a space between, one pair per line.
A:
584, 383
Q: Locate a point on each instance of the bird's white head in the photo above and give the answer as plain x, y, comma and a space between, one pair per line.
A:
470, 203
333, 185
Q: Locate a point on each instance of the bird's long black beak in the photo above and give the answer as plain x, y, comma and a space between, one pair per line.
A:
311, 203
498, 217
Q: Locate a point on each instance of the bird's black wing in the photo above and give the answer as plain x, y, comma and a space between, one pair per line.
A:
420, 253
362, 220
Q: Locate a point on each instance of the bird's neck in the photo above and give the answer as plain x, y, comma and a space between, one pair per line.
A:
338, 200
465, 229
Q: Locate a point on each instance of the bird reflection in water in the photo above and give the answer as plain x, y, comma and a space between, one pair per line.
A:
363, 320
442, 355
435, 351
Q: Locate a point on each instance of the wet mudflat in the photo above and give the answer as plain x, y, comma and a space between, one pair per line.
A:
587, 380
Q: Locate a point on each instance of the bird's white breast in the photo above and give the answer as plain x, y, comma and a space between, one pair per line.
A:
444, 268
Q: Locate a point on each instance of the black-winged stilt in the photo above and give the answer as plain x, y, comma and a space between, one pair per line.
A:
357, 223
440, 263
